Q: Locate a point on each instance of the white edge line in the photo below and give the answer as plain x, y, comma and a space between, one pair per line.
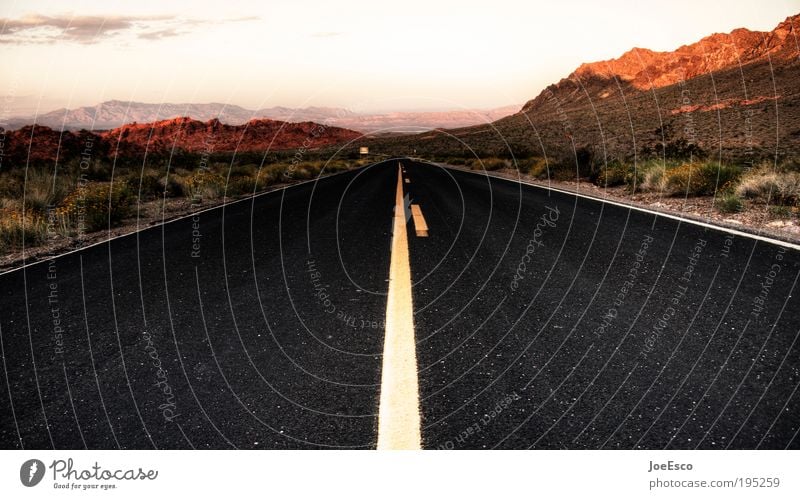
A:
629, 206
188, 215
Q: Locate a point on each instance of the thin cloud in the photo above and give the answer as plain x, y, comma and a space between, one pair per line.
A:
38, 29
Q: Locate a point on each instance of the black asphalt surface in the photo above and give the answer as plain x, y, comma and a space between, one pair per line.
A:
543, 320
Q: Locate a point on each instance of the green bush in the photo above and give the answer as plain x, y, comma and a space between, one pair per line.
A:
719, 177
613, 174
147, 186
704, 179
730, 203
780, 211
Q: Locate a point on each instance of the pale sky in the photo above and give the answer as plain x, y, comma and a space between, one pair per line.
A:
363, 55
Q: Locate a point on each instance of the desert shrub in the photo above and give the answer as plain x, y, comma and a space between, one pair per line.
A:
493, 164
456, 161
717, 177
10, 186
306, 170
563, 170
239, 186
680, 149
302, 173
535, 167
43, 189
247, 170
780, 211
790, 165
97, 206
653, 179
703, 179
729, 203
767, 184
336, 166
681, 180
488, 164
97, 170
147, 186
10, 204
584, 160
615, 173
174, 185
17, 231
648, 175
205, 185
275, 173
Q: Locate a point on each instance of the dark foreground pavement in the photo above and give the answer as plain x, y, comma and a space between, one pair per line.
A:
543, 320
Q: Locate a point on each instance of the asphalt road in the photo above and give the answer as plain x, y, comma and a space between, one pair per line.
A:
542, 320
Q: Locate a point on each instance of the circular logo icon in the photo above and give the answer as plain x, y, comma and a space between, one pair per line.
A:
31, 472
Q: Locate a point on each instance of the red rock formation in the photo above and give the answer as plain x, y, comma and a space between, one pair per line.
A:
35, 143
644, 69
196, 136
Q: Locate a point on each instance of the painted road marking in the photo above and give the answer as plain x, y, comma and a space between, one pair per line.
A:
419, 221
398, 414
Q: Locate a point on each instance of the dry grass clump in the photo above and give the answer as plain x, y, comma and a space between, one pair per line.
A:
17, 230
488, 164
775, 185
688, 179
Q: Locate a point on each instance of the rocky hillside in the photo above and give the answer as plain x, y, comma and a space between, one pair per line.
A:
731, 96
644, 70
190, 135
32, 144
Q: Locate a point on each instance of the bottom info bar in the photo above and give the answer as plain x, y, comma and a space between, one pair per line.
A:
350, 474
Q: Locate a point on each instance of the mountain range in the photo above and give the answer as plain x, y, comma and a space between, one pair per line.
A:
116, 113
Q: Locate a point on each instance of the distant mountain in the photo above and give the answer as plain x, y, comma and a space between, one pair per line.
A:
730, 96
34, 143
115, 113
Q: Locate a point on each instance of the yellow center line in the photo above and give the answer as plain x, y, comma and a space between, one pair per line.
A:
398, 414
420, 225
